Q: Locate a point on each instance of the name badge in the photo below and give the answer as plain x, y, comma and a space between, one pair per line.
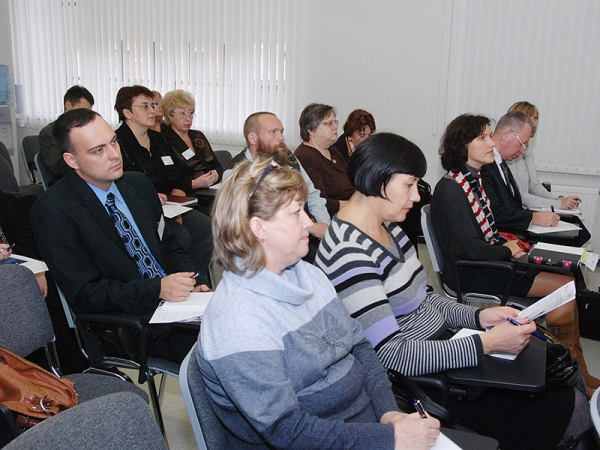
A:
161, 227
167, 161
188, 154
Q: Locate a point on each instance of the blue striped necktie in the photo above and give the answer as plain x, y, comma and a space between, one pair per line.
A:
147, 264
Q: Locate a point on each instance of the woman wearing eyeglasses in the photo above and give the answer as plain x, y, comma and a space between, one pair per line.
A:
147, 151
323, 162
190, 146
284, 364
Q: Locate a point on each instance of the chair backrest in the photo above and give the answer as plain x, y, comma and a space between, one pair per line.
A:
224, 157
48, 178
210, 433
31, 147
6, 156
433, 246
25, 323
8, 182
116, 420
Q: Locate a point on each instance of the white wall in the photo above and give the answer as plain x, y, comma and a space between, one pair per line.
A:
385, 56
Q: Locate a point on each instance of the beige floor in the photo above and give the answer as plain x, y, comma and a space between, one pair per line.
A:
179, 430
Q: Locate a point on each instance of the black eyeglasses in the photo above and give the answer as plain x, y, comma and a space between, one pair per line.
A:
272, 165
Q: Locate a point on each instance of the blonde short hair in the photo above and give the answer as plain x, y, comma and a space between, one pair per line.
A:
236, 247
176, 99
526, 107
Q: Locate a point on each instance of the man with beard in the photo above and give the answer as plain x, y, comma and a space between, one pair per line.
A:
264, 137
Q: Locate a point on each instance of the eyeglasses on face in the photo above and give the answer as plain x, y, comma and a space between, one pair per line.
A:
520, 141
183, 114
272, 165
147, 106
331, 123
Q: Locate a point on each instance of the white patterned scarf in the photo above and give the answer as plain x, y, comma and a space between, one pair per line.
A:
480, 204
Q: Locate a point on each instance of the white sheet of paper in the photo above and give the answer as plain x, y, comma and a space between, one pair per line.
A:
468, 332
35, 265
188, 310
559, 248
215, 186
591, 260
171, 211
572, 212
552, 301
443, 442
561, 226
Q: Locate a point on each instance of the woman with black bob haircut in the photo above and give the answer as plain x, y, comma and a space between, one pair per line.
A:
383, 156
377, 275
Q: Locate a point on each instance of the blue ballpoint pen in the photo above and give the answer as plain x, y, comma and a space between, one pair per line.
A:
420, 408
535, 333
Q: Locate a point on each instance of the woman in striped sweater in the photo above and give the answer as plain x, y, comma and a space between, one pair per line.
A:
381, 282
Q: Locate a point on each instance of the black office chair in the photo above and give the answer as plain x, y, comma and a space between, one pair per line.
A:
8, 182
506, 271
90, 329
48, 178
31, 147
224, 157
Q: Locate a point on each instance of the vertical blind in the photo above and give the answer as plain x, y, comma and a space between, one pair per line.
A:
542, 51
234, 56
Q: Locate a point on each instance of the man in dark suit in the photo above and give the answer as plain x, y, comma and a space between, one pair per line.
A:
511, 137
75, 97
81, 242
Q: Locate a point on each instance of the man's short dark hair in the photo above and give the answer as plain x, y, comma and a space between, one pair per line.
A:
377, 159
75, 118
75, 93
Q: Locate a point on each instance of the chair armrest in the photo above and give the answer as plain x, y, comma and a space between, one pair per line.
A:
120, 319
506, 271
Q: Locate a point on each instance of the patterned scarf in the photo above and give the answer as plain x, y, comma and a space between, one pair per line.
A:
479, 202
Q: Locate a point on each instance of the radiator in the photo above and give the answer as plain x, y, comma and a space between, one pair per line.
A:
589, 206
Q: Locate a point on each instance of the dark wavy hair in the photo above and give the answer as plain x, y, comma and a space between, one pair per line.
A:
461, 131
125, 98
377, 159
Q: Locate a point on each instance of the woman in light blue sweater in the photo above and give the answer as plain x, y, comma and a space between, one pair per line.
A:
284, 364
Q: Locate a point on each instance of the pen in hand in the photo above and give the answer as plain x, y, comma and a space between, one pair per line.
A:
419, 408
535, 333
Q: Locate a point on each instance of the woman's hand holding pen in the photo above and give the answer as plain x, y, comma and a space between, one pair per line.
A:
490, 317
411, 431
507, 338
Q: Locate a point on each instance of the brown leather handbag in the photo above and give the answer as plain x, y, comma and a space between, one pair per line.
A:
32, 393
